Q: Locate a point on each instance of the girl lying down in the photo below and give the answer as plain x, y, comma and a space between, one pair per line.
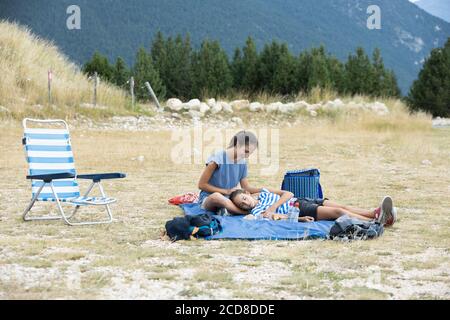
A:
274, 204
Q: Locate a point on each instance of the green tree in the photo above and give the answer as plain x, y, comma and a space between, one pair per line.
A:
284, 78
99, 64
143, 71
319, 76
212, 70
431, 91
121, 73
267, 66
250, 66
358, 73
237, 67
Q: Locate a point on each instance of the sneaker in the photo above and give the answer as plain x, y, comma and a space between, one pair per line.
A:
387, 208
390, 221
223, 212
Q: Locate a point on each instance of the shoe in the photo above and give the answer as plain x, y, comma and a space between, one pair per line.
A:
390, 221
387, 215
223, 212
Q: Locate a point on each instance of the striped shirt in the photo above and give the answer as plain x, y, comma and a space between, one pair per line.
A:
266, 199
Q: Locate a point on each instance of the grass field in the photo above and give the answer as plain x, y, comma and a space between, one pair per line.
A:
360, 161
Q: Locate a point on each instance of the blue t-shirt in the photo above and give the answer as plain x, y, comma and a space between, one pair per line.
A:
228, 173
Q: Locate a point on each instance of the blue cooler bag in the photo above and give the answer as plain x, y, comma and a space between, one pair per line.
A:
303, 183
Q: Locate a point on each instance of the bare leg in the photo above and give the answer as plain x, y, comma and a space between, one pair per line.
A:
361, 212
217, 200
330, 213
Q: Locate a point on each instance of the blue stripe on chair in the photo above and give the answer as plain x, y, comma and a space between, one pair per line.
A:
42, 136
51, 171
49, 196
56, 183
49, 160
48, 148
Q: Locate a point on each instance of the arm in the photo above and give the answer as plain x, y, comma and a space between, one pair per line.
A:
247, 187
231, 207
204, 179
284, 197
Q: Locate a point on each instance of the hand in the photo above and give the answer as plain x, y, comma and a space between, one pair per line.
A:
230, 191
268, 213
306, 219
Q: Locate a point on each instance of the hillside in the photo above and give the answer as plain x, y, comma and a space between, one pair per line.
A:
438, 8
24, 62
119, 28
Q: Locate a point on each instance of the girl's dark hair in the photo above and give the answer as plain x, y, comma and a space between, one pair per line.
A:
235, 193
243, 138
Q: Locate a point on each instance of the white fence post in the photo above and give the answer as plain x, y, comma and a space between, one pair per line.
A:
153, 95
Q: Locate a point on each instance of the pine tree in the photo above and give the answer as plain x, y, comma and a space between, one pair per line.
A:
431, 91
358, 73
99, 64
145, 71
267, 66
212, 71
237, 67
284, 78
250, 66
319, 76
120, 73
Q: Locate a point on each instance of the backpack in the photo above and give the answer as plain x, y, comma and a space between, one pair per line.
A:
347, 228
203, 225
303, 183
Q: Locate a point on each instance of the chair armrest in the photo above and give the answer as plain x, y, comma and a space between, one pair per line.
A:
50, 177
102, 176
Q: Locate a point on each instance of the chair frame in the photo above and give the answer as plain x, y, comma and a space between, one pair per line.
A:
48, 180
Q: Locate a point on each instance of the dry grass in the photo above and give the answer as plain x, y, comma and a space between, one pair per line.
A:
361, 160
24, 62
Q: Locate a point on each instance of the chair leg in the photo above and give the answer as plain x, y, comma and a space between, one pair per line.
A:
32, 202
108, 210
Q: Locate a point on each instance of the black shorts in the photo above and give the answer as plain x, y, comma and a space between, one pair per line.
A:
308, 207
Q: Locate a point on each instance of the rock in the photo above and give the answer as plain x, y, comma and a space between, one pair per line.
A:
355, 106
237, 120
255, 106
194, 104
174, 104
286, 108
239, 105
176, 116
313, 107
195, 114
426, 162
216, 108
211, 102
204, 108
226, 107
333, 105
313, 113
273, 107
300, 105
378, 107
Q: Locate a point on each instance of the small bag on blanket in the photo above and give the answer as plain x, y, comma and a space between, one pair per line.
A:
346, 228
183, 228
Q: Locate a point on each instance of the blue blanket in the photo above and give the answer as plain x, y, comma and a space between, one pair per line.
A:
236, 227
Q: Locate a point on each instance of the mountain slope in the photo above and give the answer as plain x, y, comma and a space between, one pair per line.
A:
24, 62
438, 8
119, 28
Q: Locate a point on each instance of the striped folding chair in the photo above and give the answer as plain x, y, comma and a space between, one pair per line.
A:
53, 176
